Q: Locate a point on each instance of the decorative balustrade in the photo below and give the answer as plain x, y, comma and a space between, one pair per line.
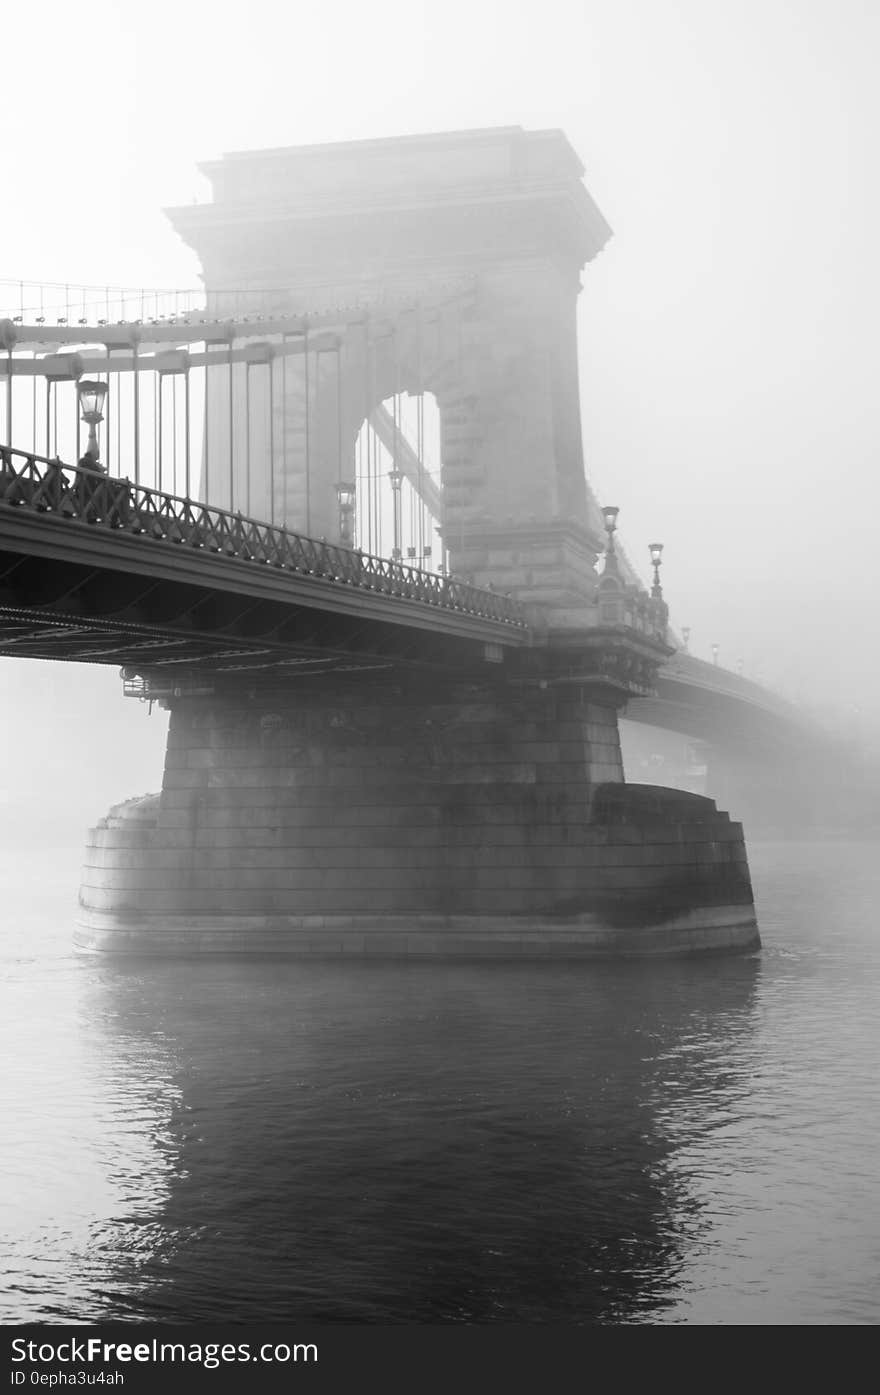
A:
89, 496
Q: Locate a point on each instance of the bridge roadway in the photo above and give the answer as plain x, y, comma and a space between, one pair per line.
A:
709, 703
95, 570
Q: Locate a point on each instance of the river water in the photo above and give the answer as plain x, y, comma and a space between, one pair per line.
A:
692, 1141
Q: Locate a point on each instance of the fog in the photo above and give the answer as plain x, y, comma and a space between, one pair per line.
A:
728, 331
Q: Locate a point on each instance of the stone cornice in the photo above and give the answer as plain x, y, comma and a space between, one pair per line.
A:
520, 223
524, 186
482, 532
423, 145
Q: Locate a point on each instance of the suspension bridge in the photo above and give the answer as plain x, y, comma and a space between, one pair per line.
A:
230, 439
333, 513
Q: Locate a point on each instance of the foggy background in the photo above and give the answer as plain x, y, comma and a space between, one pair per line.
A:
728, 331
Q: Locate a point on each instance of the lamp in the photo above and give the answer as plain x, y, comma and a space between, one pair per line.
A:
656, 551
714, 653
396, 478
345, 498
610, 515
685, 637
91, 405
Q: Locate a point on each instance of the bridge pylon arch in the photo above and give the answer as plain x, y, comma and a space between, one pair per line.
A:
471, 244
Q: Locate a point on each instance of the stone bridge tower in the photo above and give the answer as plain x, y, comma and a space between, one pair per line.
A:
496, 225
471, 808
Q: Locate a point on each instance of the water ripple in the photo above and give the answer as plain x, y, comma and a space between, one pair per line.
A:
681, 1142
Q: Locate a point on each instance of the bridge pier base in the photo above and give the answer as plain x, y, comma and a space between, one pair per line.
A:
355, 815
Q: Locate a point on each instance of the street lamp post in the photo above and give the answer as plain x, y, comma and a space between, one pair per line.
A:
609, 595
396, 478
656, 551
91, 405
658, 605
715, 653
345, 497
685, 638
610, 515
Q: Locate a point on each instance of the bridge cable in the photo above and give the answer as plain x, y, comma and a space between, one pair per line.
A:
396, 481
339, 432
76, 416
379, 451
247, 437
369, 389
136, 412
231, 430
9, 397
459, 354
319, 424
157, 433
107, 418
308, 443
271, 367
420, 433
186, 428
359, 485
175, 489
284, 430
373, 460
204, 489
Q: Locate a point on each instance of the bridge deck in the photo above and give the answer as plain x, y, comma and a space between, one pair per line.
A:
84, 557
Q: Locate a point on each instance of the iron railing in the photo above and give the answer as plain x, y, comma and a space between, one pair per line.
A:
90, 496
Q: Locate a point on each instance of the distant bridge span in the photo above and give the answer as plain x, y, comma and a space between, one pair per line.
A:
709, 703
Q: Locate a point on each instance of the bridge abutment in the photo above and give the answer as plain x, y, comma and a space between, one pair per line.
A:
411, 818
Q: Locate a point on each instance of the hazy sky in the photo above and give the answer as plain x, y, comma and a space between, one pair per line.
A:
728, 331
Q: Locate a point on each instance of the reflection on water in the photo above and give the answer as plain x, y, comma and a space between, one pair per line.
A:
691, 1140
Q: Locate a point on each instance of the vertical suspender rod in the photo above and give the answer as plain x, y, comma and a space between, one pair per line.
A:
231, 432
205, 487
272, 440
107, 436
137, 417
188, 489
307, 437
247, 438
284, 430
157, 432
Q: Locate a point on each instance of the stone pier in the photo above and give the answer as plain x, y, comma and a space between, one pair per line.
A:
411, 819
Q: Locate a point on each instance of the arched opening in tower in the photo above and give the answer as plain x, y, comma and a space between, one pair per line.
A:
398, 495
